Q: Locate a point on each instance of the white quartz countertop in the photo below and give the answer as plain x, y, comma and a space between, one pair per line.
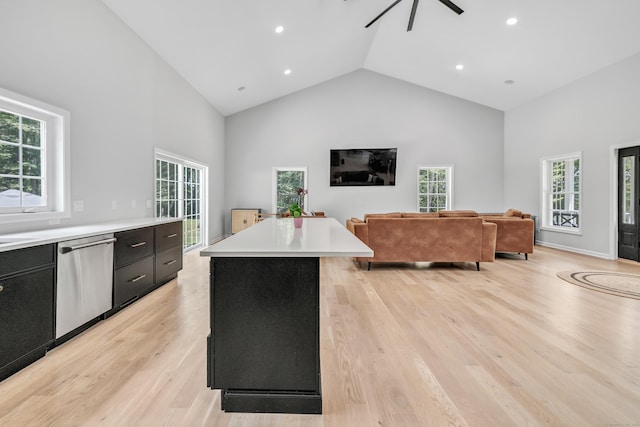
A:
318, 237
54, 235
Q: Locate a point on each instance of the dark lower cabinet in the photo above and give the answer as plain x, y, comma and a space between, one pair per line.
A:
168, 251
144, 259
26, 307
131, 281
264, 347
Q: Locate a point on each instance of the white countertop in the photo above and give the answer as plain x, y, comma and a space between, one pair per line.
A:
318, 237
52, 235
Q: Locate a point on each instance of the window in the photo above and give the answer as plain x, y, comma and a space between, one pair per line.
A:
180, 192
561, 189
33, 155
434, 188
286, 182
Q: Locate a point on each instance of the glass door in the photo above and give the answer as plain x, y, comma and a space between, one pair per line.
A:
628, 203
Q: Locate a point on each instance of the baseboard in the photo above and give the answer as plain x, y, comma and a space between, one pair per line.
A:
217, 239
575, 250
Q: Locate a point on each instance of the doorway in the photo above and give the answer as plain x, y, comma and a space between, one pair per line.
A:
628, 203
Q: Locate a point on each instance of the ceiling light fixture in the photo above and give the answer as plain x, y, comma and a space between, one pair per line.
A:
512, 21
509, 82
287, 71
241, 88
279, 29
459, 67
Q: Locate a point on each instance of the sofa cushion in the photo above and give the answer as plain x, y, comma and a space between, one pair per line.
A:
420, 215
458, 214
382, 215
512, 213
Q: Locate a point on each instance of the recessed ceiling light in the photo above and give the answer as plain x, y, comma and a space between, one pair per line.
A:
509, 82
459, 67
241, 88
279, 29
512, 21
287, 71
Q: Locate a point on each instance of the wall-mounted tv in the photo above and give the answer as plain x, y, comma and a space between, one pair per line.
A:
362, 167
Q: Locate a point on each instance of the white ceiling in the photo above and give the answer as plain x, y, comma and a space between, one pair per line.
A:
221, 45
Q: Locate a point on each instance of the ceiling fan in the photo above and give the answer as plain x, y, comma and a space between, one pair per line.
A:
447, 3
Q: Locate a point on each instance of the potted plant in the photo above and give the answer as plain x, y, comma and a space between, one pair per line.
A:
295, 210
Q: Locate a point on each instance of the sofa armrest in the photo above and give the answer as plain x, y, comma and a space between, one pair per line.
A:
514, 234
489, 235
359, 228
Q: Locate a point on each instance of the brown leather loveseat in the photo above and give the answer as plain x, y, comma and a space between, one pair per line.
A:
452, 236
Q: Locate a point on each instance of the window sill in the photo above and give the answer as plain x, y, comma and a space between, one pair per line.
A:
566, 230
12, 218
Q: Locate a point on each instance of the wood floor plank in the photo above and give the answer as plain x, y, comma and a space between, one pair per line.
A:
401, 345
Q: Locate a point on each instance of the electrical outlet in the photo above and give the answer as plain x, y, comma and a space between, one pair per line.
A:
114, 204
133, 204
78, 205
149, 205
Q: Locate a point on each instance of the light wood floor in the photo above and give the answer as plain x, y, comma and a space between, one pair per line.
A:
402, 345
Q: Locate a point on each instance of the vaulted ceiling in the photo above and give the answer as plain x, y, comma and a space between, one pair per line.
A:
229, 51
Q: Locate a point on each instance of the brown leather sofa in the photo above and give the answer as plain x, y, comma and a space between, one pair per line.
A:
454, 236
515, 231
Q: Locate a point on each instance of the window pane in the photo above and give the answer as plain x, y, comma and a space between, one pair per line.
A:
288, 182
31, 162
9, 192
9, 127
628, 216
32, 192
31, 132
9, 159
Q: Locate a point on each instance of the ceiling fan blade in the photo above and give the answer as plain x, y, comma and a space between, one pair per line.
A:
452, 6
383, 12
413, 14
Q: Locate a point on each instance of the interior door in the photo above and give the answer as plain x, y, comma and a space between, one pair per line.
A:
628, 203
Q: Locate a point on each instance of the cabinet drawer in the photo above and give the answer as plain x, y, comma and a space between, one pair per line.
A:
132, 280
168, 236
25, 259
168, 262
133, 245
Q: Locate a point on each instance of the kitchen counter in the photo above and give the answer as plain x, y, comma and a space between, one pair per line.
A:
41, 237
263, 352
318, 237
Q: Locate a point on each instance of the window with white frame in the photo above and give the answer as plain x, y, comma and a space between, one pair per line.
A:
33, 159
180, 192
285, 184
435, 188
561, 193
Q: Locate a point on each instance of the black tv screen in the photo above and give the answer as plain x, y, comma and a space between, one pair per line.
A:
363, 167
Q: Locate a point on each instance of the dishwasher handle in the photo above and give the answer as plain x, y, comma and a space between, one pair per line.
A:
67, 249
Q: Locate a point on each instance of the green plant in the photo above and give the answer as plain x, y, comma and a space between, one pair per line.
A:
295, 210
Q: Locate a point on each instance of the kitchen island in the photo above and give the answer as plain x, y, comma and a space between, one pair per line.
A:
264, 346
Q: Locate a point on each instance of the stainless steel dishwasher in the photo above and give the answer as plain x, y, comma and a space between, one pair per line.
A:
85, 281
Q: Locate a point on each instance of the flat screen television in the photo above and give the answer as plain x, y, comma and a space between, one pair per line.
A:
363, 167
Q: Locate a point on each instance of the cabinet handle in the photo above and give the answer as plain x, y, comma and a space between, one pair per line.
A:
137, 245
173, 261
171, 236
134, 280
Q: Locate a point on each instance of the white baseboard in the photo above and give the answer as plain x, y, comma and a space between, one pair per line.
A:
575, 250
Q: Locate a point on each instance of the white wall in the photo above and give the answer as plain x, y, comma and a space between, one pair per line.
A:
592, 114
124, 101
364, 109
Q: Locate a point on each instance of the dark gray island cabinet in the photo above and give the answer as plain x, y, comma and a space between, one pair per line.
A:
264, 346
